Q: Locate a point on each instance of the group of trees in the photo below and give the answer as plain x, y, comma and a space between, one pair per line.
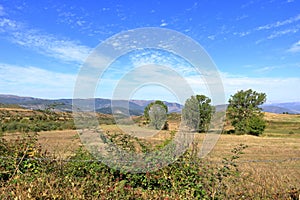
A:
34, 121
243, 112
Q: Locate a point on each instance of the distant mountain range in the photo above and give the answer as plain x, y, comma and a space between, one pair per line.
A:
290, 107
136, 107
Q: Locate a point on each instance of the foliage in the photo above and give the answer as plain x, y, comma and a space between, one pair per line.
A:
244, 112
256, 125
28, 173
147, 108
197, 113
155, 114
17, 156
158, 116
2, 105
24, 176
35, 121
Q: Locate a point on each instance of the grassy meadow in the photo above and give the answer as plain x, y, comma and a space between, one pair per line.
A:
53, 164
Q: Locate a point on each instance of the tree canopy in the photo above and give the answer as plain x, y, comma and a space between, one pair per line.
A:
244, 111
156, 114
197, 113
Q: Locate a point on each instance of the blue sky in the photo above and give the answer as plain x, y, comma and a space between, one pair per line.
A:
254, 44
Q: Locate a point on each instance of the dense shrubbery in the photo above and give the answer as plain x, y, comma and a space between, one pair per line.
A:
35, 126
36, 121
26, 172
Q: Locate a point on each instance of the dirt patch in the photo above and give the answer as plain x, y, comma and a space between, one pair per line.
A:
59, 143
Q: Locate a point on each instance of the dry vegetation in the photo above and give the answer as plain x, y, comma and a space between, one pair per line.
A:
269, 168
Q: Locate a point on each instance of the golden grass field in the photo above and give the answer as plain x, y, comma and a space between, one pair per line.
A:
270, 164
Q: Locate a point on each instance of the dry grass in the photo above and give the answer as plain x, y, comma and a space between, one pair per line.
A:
281, 117
282, 125
265, 168
16, 109
269, 167
60, 144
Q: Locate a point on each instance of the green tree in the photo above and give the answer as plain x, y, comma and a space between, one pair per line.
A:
244, 112
156, 114
197, 113
147, 108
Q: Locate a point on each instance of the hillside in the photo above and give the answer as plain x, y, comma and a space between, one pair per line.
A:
136, 107
291, 107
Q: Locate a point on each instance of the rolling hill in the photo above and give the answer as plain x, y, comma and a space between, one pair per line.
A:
136, 107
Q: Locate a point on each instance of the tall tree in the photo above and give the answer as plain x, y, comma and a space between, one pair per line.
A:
244, 112
156, 115
197, 113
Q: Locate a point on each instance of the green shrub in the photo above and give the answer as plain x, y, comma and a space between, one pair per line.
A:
256, 125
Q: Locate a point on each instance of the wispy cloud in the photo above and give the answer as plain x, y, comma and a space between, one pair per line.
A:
8, 25
163, 23
2, 12
47, 44
265, 69
277, 89
79, 19
292, 29
163, 58
283, 32
241, 17
33, 81
295, 48
279, 23
242, 34
247, 4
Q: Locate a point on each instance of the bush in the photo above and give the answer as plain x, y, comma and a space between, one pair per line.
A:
256, 126
27, 173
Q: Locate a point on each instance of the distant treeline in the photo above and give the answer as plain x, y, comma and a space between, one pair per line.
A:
9, 105
39, 120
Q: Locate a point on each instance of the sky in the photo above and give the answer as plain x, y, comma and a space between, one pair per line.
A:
254, 44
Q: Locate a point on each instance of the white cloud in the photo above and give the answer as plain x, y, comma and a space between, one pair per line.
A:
283, 32
163, 58
33, 81
277, 89
279, 23
265, 69
211, 37
244, 16
7, 24
2, 12
47, 44
242, 34
163, 24
295, 48
274, 25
